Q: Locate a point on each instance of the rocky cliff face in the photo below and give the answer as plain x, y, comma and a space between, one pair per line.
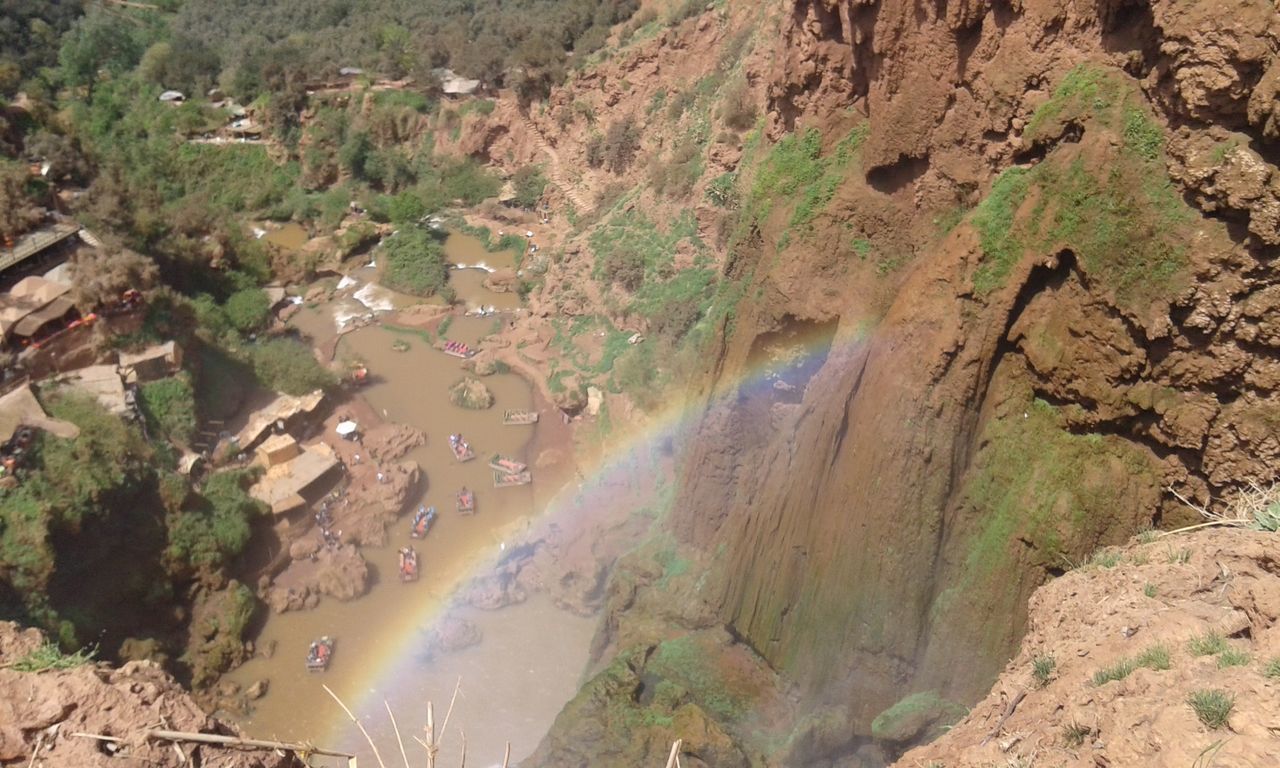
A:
988, 430
1050, 267
1094, 331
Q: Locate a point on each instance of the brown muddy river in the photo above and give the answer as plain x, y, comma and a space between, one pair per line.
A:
527, 665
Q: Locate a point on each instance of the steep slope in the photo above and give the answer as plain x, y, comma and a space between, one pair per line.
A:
42, 711
1044, 234
1116, 652
1040, 373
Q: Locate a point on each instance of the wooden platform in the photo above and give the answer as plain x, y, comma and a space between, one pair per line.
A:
516, 417
30, 244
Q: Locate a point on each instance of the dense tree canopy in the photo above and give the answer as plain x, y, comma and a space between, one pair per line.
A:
514, 42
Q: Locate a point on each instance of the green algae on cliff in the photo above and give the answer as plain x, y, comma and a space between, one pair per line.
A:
1116, 210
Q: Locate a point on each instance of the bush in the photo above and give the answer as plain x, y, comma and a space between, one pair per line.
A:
1155, 658
1232, 658
1042, 668
217, 529
287, 365
621, 142
529, 183
169, 407
1212, 707
414, 263
1208, 644
50, 656
738, 110
247, 309
1118, 671
625, 268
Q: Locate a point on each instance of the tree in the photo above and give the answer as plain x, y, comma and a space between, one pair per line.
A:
248, 309
98, 41
529, 183
415, 263
101, 275
63, 155
18, 211
288, 366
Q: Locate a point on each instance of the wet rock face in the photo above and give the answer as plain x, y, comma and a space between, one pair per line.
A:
948, 461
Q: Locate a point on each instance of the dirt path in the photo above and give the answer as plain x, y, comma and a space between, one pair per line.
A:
556, 170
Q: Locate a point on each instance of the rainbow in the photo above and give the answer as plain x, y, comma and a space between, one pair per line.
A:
770, 372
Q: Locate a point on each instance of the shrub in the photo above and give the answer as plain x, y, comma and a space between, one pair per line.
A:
1074, 734
247, 310
1118, 671
1208, 644
217, 528
287, 365
1042, 668
621, 142
1155, 658
50, 656
1149, 590
414, 263
1272, 668
1232, 657
529, 183
623, 267
738, 110
169, 407
1213, 707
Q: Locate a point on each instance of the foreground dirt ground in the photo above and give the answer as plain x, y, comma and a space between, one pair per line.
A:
1211, 599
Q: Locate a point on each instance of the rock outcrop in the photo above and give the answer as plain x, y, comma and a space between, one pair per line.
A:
1116, 651
41, 711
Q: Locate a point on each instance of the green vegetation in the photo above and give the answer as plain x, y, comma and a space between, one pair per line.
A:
1042, 669
1121, 218
1272, 668
1106, 558
909, 718
1149, 590
796, 169
1213, 707
415, 263
529, 184
169, 408
247, 309
1232, 658
1074, 734
50, 657
1035, 482
288, 365
1118, 671
686, 662
216, 528
1208, 644
1155, 657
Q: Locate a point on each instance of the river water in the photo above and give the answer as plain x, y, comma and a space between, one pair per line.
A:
528, 663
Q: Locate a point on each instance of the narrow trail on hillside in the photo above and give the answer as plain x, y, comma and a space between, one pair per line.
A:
555, 170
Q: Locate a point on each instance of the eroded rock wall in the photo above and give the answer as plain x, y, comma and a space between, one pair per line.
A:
883, 537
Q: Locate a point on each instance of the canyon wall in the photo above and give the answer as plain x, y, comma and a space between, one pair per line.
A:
1096, 330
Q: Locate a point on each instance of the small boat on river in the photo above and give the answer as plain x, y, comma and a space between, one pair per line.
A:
455, 348
461, 448
408, 564
422, 520
466, 502
506, 464
518, 416
509, 479
320, 654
